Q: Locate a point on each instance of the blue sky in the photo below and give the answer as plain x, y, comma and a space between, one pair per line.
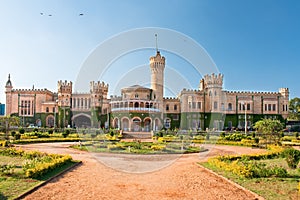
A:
254, 43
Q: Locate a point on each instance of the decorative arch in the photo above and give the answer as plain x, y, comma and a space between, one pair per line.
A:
81, 114
125, 124
147, 124
136, 123
116, 123
167, 123
39, 122
81, 120
50, 121
156, 124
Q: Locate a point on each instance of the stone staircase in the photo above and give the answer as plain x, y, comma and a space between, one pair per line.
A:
136, 135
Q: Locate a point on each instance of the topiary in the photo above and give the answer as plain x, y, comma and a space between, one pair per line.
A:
50, 131
66, 133
17, 136
21, 130
13, 133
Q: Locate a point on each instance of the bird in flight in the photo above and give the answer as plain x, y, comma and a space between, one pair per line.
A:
81, 14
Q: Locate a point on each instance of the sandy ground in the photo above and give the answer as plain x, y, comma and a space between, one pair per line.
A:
176, 178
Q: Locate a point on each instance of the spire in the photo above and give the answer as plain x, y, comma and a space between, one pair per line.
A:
8, 83
156, 43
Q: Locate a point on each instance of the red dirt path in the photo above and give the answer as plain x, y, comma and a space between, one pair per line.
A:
184, 179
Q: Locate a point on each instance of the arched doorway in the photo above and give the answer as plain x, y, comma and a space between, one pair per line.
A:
147, 124
39, 122
125, 124
156, 124
167, 123
136, 124
116, 123
50, 121
82, 121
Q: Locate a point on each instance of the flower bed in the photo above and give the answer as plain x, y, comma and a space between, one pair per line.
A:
37, 163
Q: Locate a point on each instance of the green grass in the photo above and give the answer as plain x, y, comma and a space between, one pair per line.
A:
14, 184
137, 147
269, 188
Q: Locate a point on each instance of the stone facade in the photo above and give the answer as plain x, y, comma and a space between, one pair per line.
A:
145, 109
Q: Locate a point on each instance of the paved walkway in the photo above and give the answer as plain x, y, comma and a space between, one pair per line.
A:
182, 178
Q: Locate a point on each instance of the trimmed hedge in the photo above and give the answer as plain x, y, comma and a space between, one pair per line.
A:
39, 163
238, 164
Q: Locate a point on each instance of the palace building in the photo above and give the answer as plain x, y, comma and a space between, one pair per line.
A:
145, 109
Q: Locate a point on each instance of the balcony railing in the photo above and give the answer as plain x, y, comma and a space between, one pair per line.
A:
135, 109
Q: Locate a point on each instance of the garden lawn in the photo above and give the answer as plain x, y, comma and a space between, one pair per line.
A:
270, 188
15, 183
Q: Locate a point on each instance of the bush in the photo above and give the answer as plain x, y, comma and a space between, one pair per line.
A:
50, 131
66, 133
292, 157
13, 133
17, 136
4, 143
21, 130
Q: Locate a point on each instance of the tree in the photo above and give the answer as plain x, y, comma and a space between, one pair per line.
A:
294, 109
270, 129
8, 122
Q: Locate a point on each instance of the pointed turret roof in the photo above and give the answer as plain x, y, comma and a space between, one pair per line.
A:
8, 83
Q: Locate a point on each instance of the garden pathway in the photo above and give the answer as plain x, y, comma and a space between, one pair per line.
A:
183, 179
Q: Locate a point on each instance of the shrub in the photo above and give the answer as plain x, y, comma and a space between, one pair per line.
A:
222, 134
207, 136
35, 130
13, 133
292, 157
66, 133
21, 130
256, 140
112, 133
158, 147
17, 136
4, 143
296, 134
7, 169
50, 131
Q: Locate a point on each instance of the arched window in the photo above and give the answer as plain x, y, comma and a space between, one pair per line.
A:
167, 107
167, 123
215, 105
47, 109
175, 107
230, 106
136, 104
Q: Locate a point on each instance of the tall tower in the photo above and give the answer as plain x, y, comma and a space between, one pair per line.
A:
213, 85
157, 67
64, 93
64, 103
8, 92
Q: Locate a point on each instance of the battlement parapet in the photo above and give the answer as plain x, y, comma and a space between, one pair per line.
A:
213, 80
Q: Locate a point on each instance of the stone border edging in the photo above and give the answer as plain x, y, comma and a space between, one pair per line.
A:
47, 181
257, 197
